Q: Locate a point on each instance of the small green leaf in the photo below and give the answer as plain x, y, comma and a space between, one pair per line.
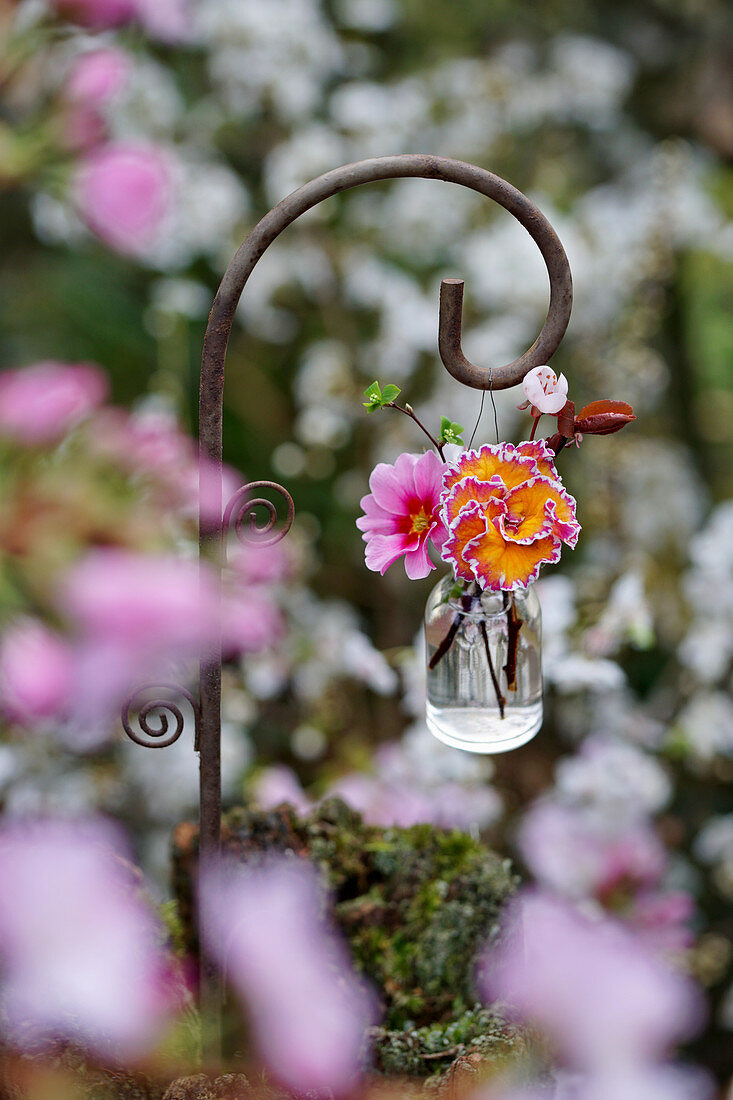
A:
376, 398
373, 396
389, 393
450, 432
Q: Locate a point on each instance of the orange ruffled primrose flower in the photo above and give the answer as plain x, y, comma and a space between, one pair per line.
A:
506, 513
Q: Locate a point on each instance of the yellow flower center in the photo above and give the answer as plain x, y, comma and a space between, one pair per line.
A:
420, 522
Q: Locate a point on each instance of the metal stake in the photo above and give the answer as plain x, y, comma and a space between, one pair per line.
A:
213, 532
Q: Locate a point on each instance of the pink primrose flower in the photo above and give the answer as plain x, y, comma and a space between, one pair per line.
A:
308, 1009
506, 512
544, 390
597, 989
41, 403
35, 673
81, 956
402, 514
123, 191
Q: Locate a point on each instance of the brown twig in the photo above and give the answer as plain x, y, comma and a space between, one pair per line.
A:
514, 625
447, 642
499, 697
409, 411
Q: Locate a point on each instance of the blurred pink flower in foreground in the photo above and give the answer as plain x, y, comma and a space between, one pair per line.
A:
42, 402
593, 986
659, 1082
35, 673
81, 954
123, 191
308, 1009
97, 76
134, 618
251, 620
618, 863
154, 602
167, 20
579, 857
94, 81
278, 784
251, 617
402, 513
96, 13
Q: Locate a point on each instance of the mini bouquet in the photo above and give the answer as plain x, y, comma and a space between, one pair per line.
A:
495, 515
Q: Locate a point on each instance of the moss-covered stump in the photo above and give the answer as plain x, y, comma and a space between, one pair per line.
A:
232, 1086
429, 1050
416, 905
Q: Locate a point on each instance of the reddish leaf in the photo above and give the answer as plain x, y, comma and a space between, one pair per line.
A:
604, 417
556, 442
566, 419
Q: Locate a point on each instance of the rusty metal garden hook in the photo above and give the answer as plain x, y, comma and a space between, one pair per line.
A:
408, 165
215, 520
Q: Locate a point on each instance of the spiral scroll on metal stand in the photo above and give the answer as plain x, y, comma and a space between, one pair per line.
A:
213, 531
158, 736
244, 505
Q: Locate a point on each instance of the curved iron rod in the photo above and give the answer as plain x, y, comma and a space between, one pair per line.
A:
216, 339
211, 528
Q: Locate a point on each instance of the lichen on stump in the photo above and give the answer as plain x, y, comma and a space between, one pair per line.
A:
415, 904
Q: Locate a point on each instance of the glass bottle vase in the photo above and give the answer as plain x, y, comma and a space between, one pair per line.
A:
484, 666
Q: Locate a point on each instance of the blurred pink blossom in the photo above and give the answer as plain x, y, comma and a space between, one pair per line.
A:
124, 190
308, 1009
97, 76
280, 784
261, 564
146, 601
167, 20
41, 403
251, 619
402, 513
618, 863
95, 79
663, 917
578, 856
134, 618
387, 801
150, 442
96, 14
81, 953
592, 985
448, 805
35, 673
659, 1082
